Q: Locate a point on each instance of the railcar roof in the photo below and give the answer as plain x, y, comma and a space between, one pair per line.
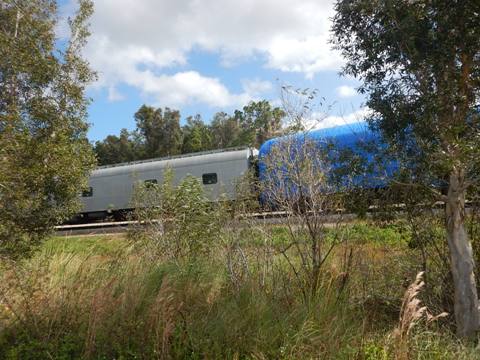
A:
204, 157
343, 135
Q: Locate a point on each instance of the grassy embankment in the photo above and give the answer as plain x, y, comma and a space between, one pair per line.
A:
106, 298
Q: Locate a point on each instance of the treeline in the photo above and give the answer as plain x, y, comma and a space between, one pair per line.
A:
159, 133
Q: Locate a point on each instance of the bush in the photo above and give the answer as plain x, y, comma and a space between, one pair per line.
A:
176, 222
45, 156
102, 298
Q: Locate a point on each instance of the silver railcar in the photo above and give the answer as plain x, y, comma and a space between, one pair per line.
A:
111, 187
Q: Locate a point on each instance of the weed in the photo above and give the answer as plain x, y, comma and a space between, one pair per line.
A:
100, 298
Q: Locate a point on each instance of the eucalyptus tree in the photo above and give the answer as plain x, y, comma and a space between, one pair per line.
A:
196, 135
117, 149
150, 126
172, 138
225, 130
160, 131
259, 121
419, 63
45, 156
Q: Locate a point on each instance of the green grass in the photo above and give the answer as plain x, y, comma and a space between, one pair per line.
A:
98, 244
100, 297
393, 234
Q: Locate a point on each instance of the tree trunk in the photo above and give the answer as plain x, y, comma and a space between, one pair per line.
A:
467, 314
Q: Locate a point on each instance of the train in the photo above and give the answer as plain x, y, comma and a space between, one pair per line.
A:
111, 187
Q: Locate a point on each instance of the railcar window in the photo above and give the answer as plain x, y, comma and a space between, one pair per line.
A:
210, 178
88, 192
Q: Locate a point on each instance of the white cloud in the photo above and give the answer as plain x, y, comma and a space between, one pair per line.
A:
114, 95
136, 42
256, 87
185, 88
345, 91
323, 121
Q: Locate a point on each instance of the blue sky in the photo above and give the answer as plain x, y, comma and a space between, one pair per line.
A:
204, 56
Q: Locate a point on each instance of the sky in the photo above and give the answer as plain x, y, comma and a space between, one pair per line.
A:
205, 56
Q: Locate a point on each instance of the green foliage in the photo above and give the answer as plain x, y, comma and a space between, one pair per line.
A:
116, 149
418, 62
68, 347
105, 299
420, 67
253, 125
158, 133
374, 351
392, 235
45, 156
259, 122
225, 131
196, 135
98, 245
181, 221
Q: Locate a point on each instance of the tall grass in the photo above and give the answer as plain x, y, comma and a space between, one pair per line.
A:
104, 298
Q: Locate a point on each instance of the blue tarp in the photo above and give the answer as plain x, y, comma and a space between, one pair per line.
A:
341, 146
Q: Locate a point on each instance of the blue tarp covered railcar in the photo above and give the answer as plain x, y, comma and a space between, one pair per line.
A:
341, 147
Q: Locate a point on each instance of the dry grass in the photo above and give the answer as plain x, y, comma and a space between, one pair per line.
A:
75, 300
411, 314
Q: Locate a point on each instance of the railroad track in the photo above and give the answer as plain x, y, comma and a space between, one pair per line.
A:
118, 227
260, 218
98, 228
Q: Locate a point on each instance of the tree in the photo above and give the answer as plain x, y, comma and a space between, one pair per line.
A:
179, 220
225, 130
172, 133
149, 125
258, 122
252, 126
420, 66
160, 130
196, 135
295, 180
45, 157
159, 133
116, 149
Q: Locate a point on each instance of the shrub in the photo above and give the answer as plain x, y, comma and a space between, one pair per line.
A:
177, 222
